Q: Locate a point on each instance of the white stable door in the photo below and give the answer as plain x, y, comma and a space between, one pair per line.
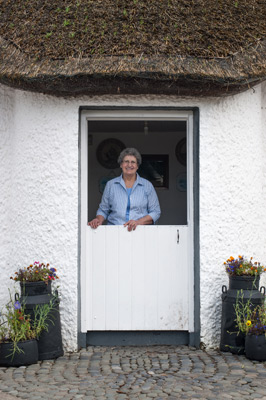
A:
137, 280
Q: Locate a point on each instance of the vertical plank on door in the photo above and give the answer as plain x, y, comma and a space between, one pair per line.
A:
112, 278
125, 279
138, 278
172, 292
98, 278
150, 270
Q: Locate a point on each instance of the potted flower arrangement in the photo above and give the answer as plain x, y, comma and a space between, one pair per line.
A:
251, 321
36, 278
244, 275
18, 333
35, 283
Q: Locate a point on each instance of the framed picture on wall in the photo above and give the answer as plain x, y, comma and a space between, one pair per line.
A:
155, 168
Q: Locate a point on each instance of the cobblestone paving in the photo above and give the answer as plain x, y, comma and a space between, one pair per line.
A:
157, 372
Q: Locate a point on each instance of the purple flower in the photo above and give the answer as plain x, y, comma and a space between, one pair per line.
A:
52, 269
17, 305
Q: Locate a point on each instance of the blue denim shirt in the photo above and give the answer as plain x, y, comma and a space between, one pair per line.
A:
143, 201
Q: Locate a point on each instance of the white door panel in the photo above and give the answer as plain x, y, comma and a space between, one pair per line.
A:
138, 280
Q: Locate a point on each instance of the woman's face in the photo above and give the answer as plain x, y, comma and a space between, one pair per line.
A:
129, 165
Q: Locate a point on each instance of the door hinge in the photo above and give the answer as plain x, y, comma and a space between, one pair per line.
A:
177, 236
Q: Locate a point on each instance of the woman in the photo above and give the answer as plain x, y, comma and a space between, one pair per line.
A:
128, 200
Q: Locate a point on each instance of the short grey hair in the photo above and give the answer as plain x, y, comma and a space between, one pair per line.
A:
129, 151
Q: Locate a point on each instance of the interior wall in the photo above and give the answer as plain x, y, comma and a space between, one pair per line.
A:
173, 200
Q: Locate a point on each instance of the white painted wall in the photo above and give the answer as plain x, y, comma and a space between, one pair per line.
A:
39, 189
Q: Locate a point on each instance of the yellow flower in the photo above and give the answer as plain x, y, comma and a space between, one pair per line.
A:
248, 323
240, 266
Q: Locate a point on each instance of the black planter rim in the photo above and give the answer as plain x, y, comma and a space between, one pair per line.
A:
250, 282
36, 283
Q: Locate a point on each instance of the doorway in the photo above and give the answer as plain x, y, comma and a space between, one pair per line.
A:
141, 283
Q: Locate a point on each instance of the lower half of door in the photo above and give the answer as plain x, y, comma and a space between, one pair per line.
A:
136, 281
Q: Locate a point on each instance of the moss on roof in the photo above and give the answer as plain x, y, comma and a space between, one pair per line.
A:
112, 46
84, 28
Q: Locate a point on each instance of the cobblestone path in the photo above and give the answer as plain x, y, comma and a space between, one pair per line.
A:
157, 372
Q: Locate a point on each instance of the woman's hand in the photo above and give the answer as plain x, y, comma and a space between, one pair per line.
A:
96, 222
131, 225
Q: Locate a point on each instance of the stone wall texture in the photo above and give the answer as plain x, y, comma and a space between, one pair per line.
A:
39, 175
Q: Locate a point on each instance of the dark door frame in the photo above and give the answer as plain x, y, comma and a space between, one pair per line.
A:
143, 337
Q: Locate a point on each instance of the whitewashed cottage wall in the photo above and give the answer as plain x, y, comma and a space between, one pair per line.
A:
39, 189
232, 195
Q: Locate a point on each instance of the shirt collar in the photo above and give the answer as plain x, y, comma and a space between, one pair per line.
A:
138, 181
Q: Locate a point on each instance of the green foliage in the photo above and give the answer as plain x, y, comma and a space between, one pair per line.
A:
42, 317
17, 326
66, 22
250, 319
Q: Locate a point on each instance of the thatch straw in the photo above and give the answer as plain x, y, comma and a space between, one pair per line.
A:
170, 46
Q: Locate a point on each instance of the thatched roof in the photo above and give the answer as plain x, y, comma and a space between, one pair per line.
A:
186, 47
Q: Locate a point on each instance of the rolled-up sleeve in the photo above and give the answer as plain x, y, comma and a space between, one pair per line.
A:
104, 207
154, 210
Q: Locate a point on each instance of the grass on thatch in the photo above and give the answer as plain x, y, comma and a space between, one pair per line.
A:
88, 28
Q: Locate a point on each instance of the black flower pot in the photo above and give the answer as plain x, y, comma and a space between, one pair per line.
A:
39, 293
255, 347
244, 282
39, 288
28, 355
247, 288
50, 342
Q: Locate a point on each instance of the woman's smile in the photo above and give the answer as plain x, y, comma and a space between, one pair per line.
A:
129, 165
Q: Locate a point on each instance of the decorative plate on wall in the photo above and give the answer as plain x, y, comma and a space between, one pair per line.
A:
181, 151
181, 182
108, 151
